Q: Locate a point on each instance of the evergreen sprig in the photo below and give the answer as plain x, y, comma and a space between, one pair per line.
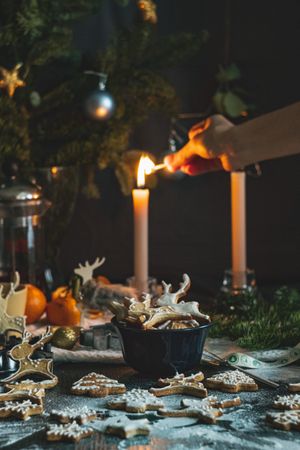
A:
262, 323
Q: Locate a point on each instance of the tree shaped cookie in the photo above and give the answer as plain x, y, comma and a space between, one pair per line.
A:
22, 409
68, 432
97, 385
137, 400
79, 415
231, 381
285, 420
180, 384
206, 410
123, 427
287, 402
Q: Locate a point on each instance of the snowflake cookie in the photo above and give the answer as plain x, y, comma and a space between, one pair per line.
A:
97, 385
180, 384
22, 409
137, 400
287, 402
81, 415
68, 432
231, 381
285, 420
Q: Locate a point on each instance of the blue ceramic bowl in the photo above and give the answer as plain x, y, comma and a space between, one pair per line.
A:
162, 352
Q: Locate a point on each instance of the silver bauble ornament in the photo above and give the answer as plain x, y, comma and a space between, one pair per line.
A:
100, 105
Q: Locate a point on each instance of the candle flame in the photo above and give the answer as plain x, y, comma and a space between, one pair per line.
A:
146, 166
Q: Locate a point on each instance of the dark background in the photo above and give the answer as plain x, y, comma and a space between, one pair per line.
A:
190, 217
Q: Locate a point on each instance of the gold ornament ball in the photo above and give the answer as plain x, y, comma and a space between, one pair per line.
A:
65, 337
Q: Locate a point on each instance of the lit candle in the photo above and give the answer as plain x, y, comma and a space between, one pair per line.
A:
140, 210
238, 229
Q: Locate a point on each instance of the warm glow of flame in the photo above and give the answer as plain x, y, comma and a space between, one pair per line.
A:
54, 170
101, 112
146, 166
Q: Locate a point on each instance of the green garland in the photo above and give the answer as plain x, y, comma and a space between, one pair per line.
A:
257, 322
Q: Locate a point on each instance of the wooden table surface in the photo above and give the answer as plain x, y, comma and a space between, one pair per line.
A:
240, 428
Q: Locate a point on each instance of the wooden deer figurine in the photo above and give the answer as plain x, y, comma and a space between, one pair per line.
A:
169, 298
86, 271
15, 323
22, 353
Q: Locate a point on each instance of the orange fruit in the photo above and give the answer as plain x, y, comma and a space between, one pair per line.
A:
63, 310
35, 305
59, 292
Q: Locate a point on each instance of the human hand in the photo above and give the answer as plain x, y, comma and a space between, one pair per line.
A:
210, 147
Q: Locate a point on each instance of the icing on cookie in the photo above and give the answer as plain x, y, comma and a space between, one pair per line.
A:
138, 400
124, 427
70, 430
232, 377
287, 402
285, 420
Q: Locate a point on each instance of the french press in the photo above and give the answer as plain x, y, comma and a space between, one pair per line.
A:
22, 206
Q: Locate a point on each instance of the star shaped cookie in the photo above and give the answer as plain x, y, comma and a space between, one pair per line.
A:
137, 400
180, 384
97, 385
231, 381
123, 427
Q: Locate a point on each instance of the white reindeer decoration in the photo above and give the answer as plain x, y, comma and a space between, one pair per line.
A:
86, 271
14, 323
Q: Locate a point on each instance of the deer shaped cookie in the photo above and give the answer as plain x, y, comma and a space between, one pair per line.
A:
22, 353
171, 299
14, 323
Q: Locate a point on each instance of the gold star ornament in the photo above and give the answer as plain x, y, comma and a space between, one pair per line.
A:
10, 80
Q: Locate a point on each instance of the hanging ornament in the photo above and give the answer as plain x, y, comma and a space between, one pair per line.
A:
100, 105
10, 80
148, 10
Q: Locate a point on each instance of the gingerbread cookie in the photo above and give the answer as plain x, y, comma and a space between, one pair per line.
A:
137, 400
22, 393
287, 402
124, 427
231, 381
97, 385
200, 410
81, 415
22, 409
180, 384
285, 420
68, 432
211, 401
294, 387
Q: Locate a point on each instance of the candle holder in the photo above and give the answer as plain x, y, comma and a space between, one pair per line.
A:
238, 290
151, 286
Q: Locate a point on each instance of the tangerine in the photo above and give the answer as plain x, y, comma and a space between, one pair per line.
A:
35, 305
63, 310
